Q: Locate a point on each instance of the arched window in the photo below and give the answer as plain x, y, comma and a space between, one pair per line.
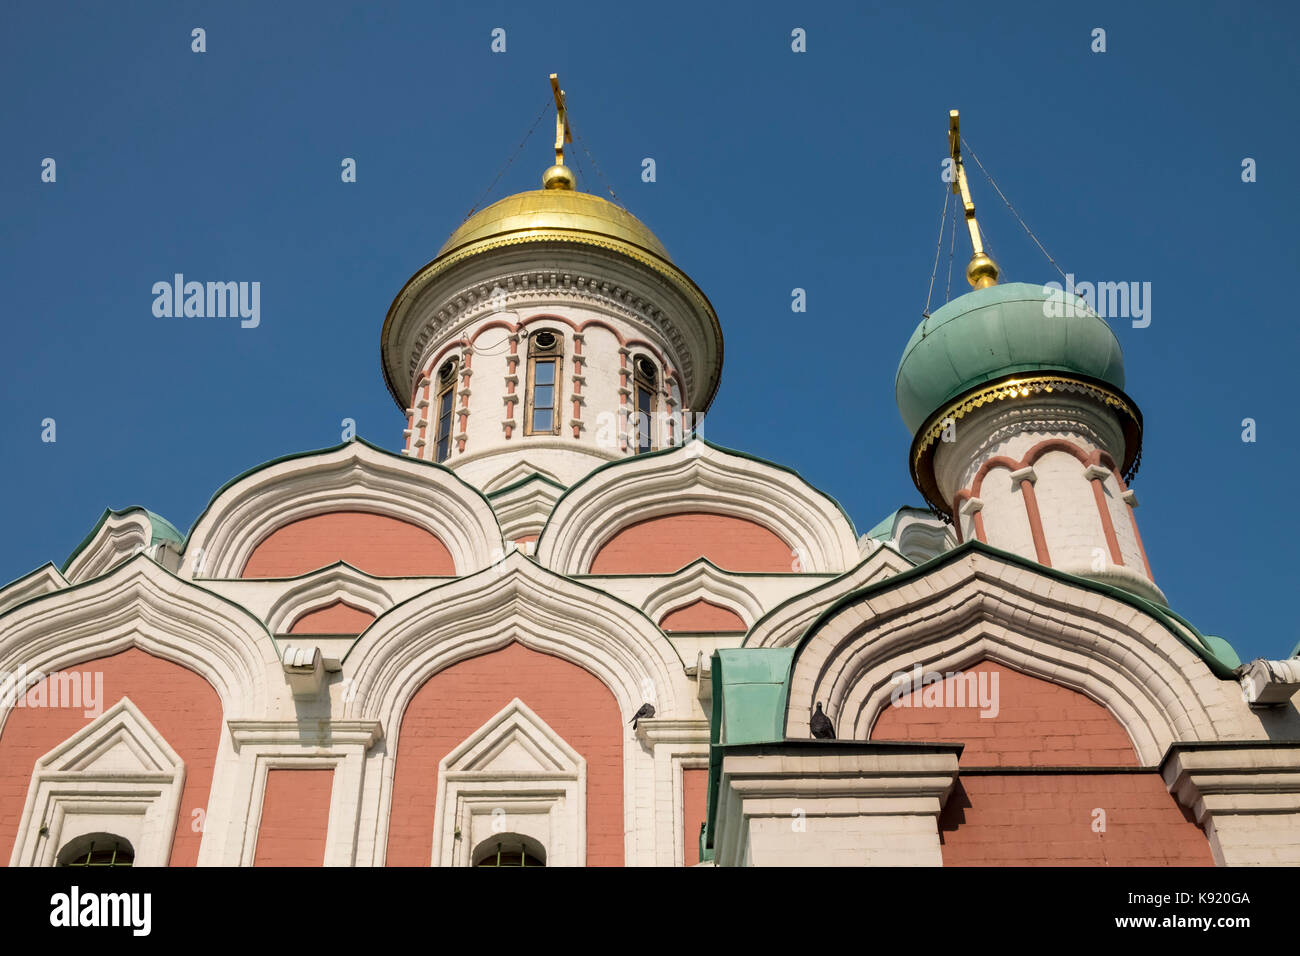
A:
541, 403
510, 849
97, 849
445, 405
645, 378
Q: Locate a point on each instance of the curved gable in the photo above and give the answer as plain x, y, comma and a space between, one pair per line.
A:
351, 478
693, 479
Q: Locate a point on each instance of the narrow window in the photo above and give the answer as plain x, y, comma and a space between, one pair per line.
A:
645, 378
444, 403
541, 412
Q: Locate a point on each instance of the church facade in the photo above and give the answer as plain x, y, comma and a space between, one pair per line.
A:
562, 628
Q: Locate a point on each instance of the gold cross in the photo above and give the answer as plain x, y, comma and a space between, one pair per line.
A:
562, 133
982, 271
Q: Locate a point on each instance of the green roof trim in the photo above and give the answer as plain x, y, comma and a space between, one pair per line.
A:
140, 557
825, 585
1216, 652
676, 448
160, 529
535, 476
749, 705
885, 529
704, 560
753, 684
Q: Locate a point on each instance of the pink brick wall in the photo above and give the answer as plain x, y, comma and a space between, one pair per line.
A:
665, 544
336, 618
1037, 724
183, 707
456, 701
1040, 818
295, 818
376, 544
695, 796
703, 615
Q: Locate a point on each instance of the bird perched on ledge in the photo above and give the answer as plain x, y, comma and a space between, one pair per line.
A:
821, 725
646, 712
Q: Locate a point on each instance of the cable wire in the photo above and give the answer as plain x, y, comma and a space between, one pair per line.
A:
1023, 225
519, 149
943, 221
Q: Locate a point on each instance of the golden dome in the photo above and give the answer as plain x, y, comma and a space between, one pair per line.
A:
562, 214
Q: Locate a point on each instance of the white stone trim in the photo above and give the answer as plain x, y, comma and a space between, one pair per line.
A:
353, 477
117, 775
340, 582
675, 745
1023, 474
119, 538
786, 623
980, 607
703, 580
820, 807
139, 604
259, 746
44, 580
514, 774
696, 477
517, 600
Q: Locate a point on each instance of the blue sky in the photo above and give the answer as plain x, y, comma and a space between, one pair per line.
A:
775, 170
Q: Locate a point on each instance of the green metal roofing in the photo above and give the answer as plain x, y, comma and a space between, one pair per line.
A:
749, 704
885, 529
998, 331
751, 683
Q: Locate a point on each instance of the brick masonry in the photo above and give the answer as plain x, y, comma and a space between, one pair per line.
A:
179, 703
456, 701
665, 544
1046, 819
376, 544
295, 818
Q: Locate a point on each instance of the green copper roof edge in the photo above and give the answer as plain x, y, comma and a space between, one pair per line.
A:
716, 744
827, 584
495, 569
675, 448
326, 451
154, 537
351, 567
704, 560
535, 476
887, 523
32, 573
975, 383
1165, 616
141, 557
1008, 286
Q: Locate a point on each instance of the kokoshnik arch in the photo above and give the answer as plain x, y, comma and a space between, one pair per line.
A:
443, 656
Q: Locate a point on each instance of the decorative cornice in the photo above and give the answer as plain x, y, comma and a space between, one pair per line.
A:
1019, 388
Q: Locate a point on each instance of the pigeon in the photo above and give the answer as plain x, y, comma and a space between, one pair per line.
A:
821, 725
647, 711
